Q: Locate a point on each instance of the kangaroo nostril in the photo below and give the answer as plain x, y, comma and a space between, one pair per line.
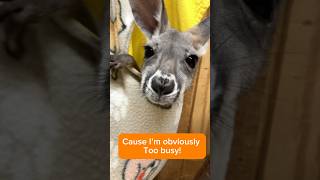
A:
157, 84
162, 86
168, 88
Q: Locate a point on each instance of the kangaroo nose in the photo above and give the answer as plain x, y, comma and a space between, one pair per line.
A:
162, 86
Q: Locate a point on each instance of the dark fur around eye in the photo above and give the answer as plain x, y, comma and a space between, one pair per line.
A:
192, 61
148, 52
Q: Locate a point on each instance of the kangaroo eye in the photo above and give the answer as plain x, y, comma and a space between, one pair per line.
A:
148, 51
192, 61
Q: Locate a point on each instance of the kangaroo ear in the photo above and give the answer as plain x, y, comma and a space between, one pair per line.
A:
200, 34
150, 16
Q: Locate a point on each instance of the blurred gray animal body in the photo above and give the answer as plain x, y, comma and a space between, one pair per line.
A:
241, 33
52, 121
17, 15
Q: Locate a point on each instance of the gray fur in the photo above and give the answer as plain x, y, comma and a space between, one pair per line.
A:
241, 39
52, 125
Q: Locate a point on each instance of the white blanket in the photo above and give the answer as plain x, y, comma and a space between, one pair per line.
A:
130, 112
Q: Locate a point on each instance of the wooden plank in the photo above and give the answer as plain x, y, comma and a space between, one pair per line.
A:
200, 119
294, 143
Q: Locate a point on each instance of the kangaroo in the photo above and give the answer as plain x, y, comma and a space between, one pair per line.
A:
171, 57
239, 31
154, 103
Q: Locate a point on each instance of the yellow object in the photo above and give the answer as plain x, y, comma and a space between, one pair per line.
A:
182, 14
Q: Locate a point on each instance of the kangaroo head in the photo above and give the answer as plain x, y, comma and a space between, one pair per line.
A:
171, 57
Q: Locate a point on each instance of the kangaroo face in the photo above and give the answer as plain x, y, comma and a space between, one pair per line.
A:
169, 64
171, 57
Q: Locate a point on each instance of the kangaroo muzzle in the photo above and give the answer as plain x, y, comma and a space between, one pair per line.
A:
162, 85
162, 88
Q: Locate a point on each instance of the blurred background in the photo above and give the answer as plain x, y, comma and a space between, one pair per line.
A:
277, 133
